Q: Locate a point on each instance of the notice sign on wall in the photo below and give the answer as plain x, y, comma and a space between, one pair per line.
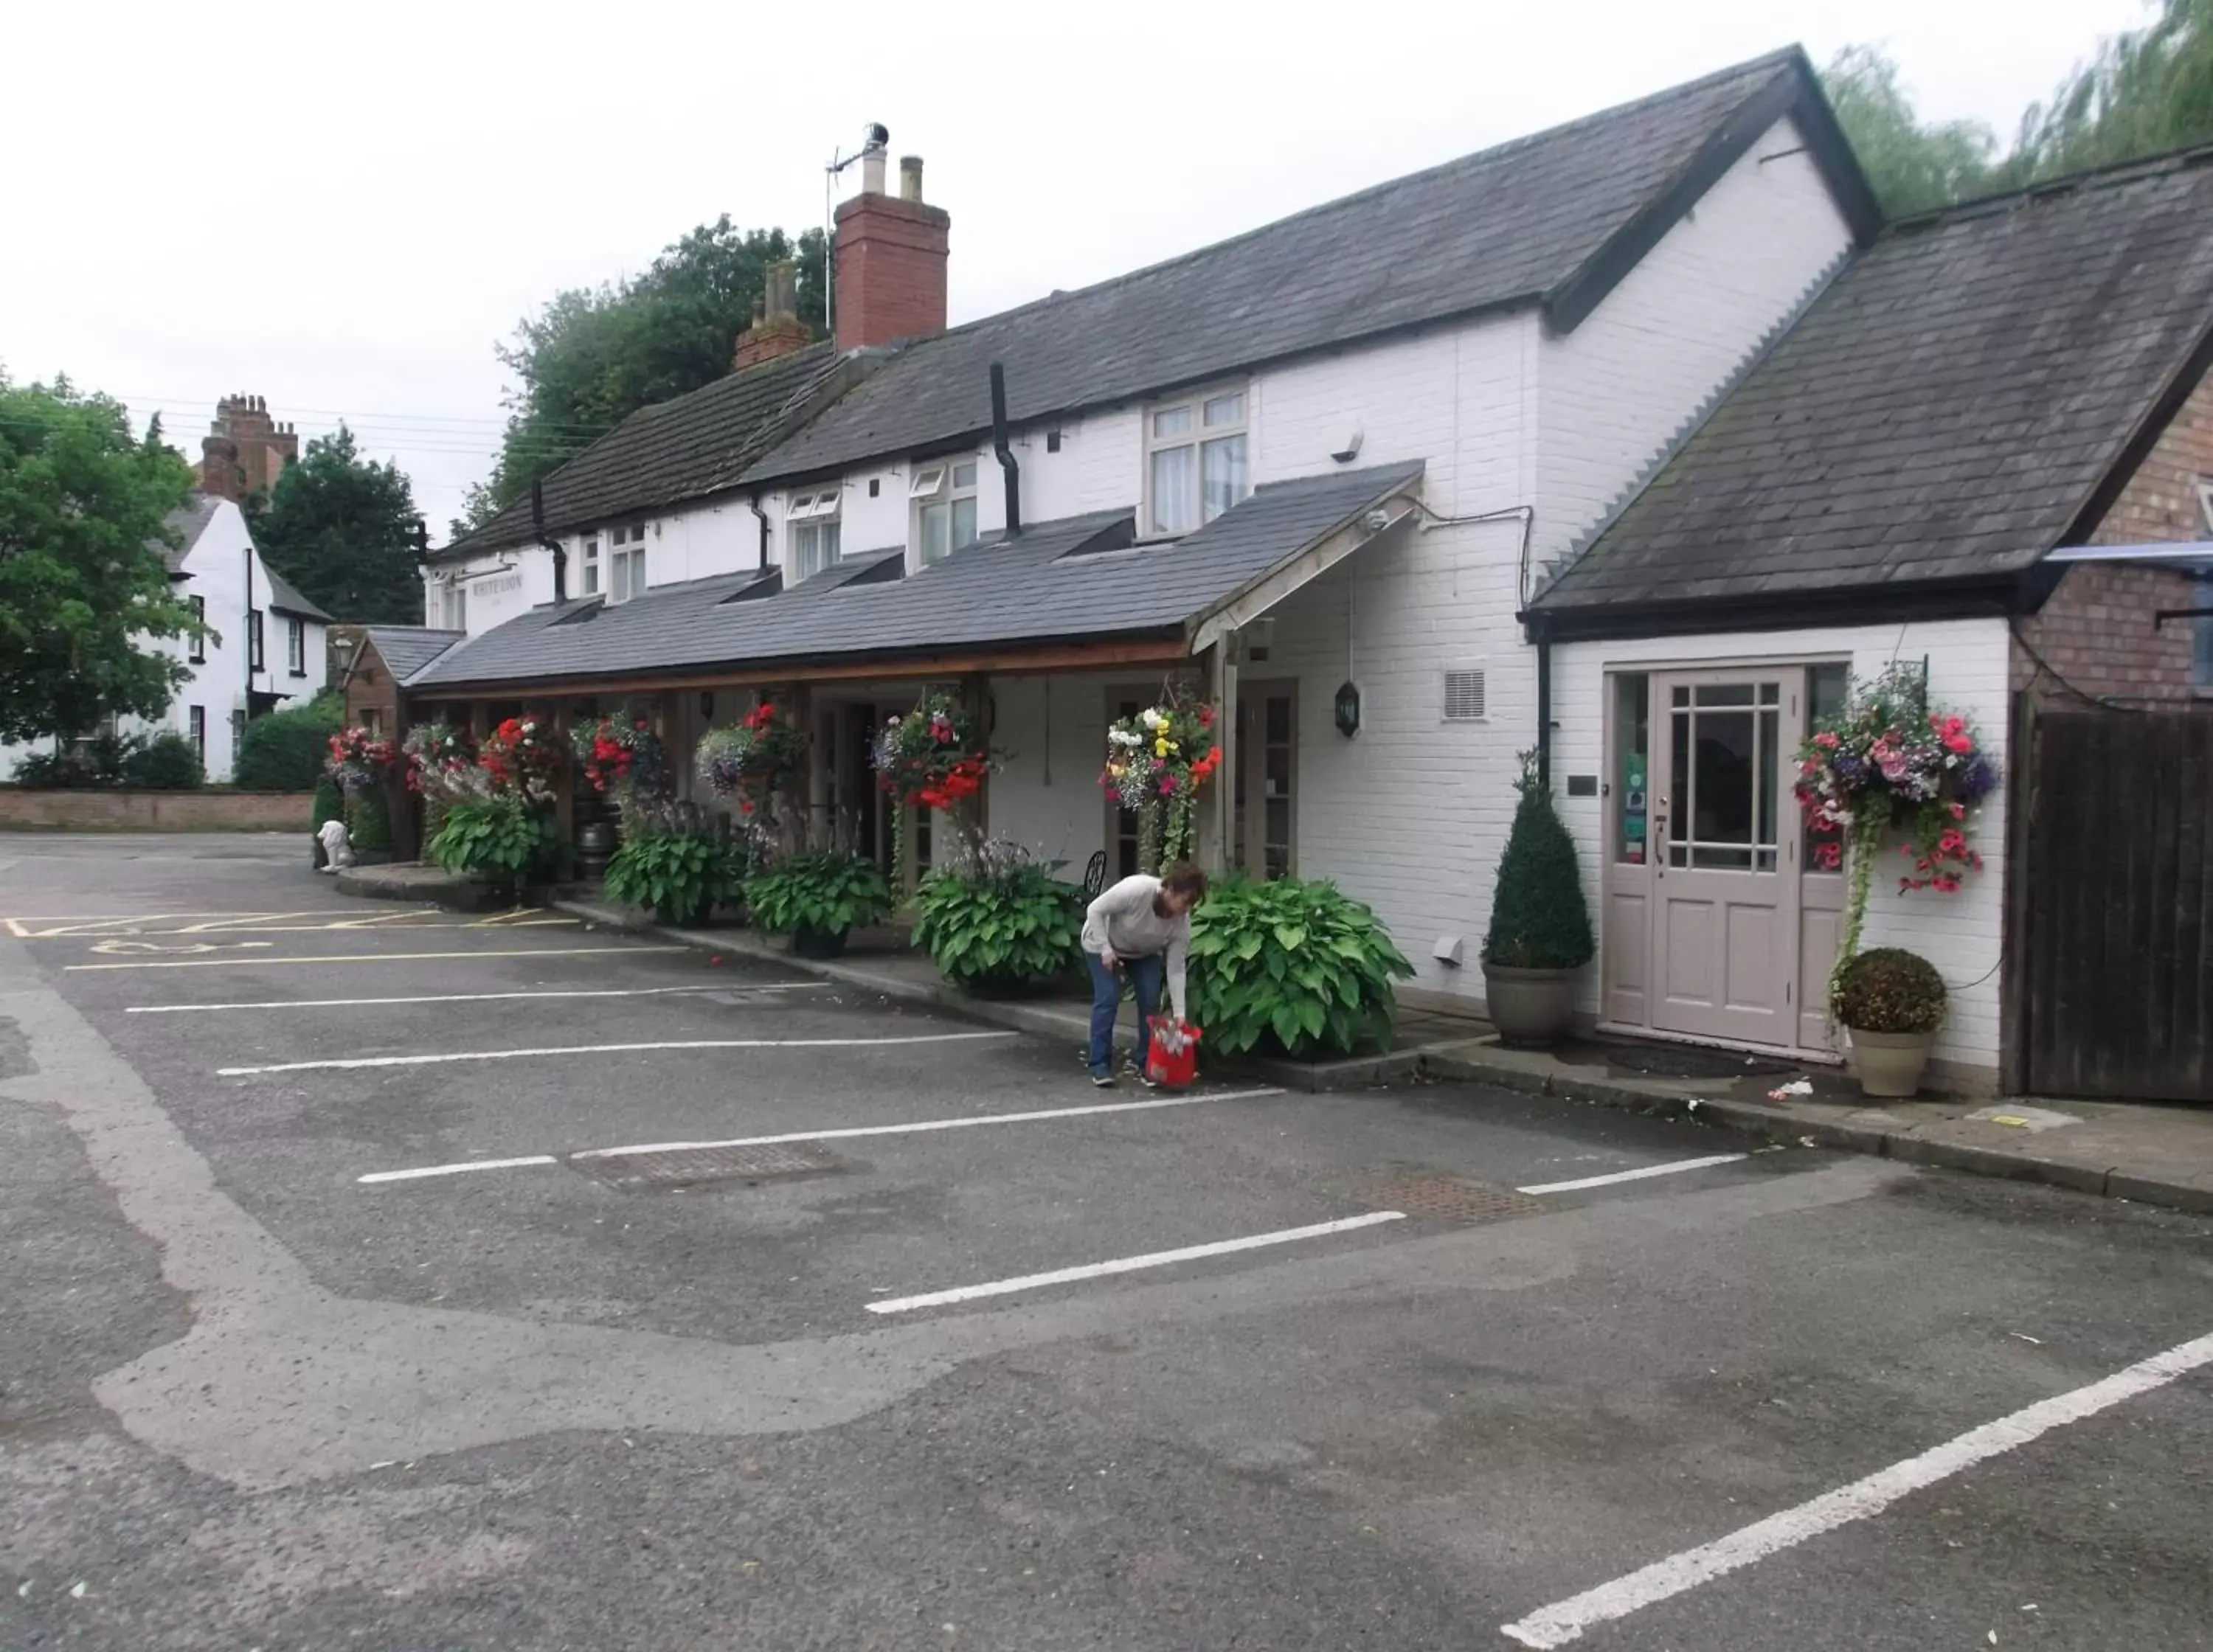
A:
1632, 809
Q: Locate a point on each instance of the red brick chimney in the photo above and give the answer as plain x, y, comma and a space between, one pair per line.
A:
776, 329
890, 260
221, 474
258, 447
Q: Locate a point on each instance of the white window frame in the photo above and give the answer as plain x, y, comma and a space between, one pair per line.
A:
195, 730
812, 530
196, 653
1172, 519
626, 567
589, 580
944, 488
295, 647
454, 607
256, 661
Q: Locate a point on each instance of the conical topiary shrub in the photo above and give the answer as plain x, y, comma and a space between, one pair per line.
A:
1540, 928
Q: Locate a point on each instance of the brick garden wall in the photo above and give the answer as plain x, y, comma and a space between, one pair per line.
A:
154, 811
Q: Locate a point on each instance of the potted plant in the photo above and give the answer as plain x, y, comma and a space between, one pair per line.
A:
500, 841
818, 898
1292, 964
1891, 1001
1540, 928
1156, 762
996, 920
674, 866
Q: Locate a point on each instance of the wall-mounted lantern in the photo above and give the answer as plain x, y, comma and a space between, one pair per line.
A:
1348, 711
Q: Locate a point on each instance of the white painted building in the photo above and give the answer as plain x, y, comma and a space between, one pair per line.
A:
265, 644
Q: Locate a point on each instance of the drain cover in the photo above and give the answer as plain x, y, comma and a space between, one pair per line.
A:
1453, 1198
691, 1167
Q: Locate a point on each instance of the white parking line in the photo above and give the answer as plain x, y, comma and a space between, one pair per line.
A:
1642, 1173
840, 1135
346, 1062
461, 1169
1556, 1625
1131, 1264
482, 997
382, 957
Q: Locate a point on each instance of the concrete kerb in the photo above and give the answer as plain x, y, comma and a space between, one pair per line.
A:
1477, 1062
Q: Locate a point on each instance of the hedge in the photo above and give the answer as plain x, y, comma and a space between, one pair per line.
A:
286, 751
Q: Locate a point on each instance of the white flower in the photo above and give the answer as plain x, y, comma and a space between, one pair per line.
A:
1151, 718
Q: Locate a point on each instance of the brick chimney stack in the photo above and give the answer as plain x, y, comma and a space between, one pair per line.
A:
890, 260
776, 329
255, 448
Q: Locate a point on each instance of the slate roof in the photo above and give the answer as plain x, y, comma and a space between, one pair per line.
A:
190, 520
1946, 410
284, 598
686, 447
1076, 580
406, 649
1553, 219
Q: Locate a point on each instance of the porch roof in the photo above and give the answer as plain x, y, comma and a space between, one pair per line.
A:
1082, 580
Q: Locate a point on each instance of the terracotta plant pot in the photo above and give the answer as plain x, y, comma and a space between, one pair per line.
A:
1530, 1008
1890, 1063
817, 943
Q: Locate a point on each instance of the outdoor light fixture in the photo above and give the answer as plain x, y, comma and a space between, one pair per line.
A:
1348, 711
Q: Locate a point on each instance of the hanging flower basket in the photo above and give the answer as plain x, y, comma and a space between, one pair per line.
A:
359, 759
1891, 764
435, 753
1156, 762
749, 761
521, 758
932, 758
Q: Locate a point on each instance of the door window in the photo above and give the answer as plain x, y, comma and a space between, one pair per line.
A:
1722, 801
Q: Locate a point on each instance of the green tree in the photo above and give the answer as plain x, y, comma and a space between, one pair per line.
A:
84, 581
2141, 92
1913, 168
595, 355
343, 529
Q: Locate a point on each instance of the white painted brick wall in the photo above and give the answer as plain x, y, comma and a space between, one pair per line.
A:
1959, 933
1052, 742
1614, 393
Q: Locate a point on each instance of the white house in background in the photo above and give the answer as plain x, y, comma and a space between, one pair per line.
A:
266, 649
1334, 452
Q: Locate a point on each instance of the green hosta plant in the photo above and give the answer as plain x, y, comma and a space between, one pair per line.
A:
1889, 989
1538, 919
1293, 963
501, 839
999, 918
680, 876
820, 891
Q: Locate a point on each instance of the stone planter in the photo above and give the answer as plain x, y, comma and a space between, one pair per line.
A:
1530, 1008
817, 943
1890, 1065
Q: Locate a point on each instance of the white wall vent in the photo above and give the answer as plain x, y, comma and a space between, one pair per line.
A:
1464, 696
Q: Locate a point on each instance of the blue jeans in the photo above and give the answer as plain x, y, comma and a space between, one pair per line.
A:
1145, 975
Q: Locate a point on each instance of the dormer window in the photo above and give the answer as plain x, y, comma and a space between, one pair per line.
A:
1196, 462
811, 525
626, 563
944, 509
587, 556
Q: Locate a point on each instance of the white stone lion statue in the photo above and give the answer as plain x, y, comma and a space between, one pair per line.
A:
337, 848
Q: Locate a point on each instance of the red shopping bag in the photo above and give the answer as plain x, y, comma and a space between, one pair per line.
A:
1171, 1053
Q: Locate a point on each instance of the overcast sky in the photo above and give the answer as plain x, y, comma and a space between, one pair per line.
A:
341, 209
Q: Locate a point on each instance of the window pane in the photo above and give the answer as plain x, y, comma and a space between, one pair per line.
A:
1172, 421
1223, 462
1763, 778
1725, 694
964, 523
592, 576
1827, 687
1679, 779
964, 475
1722, 789
830, 542
1631, 699
937, 524
1170, 492
1279, 718
1225, 410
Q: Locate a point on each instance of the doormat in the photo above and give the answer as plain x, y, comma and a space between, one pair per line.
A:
683, 1168
1451, 1198
1672, 1060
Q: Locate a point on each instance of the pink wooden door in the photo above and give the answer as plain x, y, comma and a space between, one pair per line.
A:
1724, 929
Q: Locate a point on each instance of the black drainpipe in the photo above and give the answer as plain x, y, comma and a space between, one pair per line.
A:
560, 551
1007, 468
761, 557
1545, 709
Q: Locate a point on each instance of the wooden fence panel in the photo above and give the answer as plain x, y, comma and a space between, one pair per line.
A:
2116, 975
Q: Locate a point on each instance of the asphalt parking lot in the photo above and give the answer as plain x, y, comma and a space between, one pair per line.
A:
405, 1280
